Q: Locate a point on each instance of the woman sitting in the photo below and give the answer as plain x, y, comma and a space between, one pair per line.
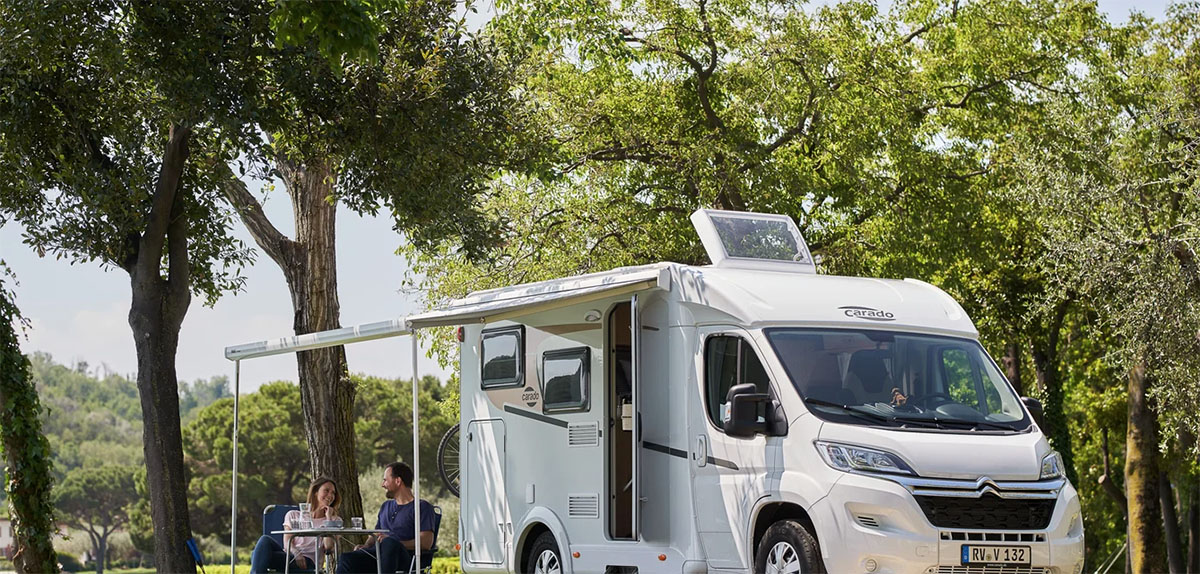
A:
269, 556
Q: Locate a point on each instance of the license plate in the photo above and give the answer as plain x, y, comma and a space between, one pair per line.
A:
995, 554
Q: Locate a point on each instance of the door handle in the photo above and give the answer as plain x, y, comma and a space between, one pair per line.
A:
700, 455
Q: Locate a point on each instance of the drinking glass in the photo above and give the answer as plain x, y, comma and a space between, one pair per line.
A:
305, 507
357, 521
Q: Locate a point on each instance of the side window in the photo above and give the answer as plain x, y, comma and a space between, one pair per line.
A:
956, 368
565, 378
729, 361
501, 351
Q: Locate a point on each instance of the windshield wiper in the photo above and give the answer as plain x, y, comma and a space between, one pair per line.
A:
940, 422
852, 410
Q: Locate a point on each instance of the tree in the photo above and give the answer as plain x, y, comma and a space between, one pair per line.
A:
112, 119
96, 500
27, 463
415, 128
1120, 231
274, 463
383, 424
659, 109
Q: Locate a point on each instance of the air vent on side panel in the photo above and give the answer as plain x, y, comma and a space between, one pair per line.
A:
583, 505
868, 521
583, 434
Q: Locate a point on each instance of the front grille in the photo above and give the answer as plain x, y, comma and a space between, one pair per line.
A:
986, 570
987, 512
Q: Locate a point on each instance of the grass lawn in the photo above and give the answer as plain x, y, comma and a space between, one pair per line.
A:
445, 565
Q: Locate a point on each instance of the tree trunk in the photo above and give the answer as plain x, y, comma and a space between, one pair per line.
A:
309, 265
101, 554
155, 316
326, 393
1146, 551
1012, 366
1170, 519
1193, 559
26, 452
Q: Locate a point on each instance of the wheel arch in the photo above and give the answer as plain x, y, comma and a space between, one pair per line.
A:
772, 511
541, 520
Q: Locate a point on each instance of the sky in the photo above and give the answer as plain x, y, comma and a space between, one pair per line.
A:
78, 313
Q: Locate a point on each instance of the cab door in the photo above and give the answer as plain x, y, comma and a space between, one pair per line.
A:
729, 474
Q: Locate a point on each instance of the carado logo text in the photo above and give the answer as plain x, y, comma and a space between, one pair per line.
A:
867, 313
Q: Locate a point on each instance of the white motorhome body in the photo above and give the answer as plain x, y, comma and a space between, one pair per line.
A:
601, 432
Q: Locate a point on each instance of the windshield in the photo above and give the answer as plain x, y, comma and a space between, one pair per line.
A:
904, 380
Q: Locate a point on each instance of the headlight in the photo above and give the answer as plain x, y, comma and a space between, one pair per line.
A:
846, 458
1052, 465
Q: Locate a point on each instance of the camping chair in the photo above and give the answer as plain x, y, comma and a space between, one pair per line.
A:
272, 519
427, 555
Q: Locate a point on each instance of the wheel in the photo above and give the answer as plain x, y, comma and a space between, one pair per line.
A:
788, 548
448, 459
544, 557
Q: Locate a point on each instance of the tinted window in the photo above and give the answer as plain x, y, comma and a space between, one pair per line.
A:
729, 361
886, 378
501, 352
565, 379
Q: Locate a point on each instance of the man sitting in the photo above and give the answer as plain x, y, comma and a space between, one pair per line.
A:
395, 516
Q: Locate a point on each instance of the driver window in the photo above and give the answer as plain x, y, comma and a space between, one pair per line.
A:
729, 361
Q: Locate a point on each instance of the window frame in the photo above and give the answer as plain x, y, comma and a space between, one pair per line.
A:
515, 381
584, 354
744, 343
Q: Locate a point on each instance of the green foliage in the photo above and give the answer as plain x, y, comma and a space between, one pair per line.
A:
383, 425
349, 28
274, 465
416, 129
25, 450
98, 88
70, 563
273, 458
97, 500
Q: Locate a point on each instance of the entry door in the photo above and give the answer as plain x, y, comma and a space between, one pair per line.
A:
484, 507
729, 473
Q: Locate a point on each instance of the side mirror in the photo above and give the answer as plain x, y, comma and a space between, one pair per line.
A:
745, 404
1035, 409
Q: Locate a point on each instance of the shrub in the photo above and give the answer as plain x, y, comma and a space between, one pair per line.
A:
69, 562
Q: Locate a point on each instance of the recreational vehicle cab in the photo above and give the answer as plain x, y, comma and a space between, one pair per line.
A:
747, 416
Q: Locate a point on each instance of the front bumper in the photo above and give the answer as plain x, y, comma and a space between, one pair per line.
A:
870, 521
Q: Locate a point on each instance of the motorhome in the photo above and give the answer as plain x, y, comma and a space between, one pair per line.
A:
750, 415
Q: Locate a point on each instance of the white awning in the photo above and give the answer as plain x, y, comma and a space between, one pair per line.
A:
335, 337
492, 305
499, 304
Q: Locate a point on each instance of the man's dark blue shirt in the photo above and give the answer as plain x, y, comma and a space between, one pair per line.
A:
397, 519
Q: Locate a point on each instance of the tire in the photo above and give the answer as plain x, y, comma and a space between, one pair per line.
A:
544, 557
447, 457
788, 547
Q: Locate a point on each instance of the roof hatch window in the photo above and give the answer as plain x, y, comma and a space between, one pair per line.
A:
754, 240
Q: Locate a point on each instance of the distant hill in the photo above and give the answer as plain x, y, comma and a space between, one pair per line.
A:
93, 420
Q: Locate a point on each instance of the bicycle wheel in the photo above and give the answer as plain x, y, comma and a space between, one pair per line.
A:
448, 459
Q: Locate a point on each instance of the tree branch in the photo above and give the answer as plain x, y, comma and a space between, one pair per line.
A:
265, 234
179, 266
979, 89
170, 177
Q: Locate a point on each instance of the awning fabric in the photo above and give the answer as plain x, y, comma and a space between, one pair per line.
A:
484, 306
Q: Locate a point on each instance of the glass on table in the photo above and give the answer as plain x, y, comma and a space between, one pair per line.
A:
357, 522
